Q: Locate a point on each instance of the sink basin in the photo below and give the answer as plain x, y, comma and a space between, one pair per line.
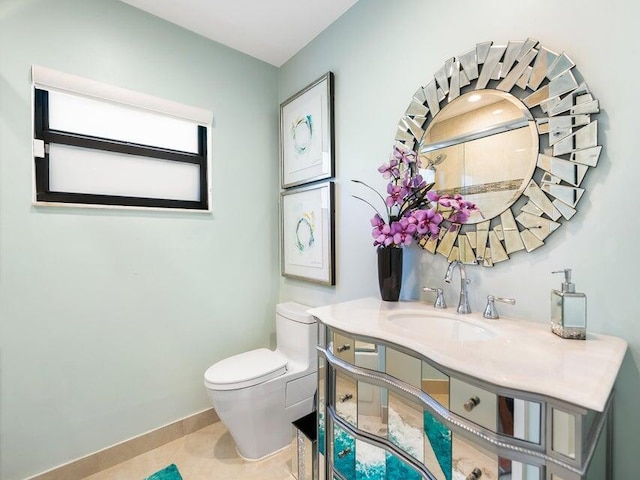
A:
446, 327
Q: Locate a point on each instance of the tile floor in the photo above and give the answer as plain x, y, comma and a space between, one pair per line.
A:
206, 454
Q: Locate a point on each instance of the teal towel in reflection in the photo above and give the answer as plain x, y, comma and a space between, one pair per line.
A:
169, 473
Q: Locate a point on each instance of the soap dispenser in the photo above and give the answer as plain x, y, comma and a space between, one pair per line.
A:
568, 310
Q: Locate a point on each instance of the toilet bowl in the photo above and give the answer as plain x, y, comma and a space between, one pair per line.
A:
257, 394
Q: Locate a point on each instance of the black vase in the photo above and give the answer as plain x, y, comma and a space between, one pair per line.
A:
390, 273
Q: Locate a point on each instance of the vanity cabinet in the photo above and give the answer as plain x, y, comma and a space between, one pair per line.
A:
404, 407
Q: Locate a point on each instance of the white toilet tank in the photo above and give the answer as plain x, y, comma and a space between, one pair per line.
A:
297, 334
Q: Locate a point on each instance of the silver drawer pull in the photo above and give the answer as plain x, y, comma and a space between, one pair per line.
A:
475, 475
471, 404
345, 397
344, 452
344, 348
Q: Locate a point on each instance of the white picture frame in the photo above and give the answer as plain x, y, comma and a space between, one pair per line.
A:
307, 233
306, 134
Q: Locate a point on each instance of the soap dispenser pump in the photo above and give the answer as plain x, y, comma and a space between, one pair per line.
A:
568, 310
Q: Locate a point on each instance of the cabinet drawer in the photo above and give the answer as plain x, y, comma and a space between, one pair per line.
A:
472, 462
474, 403
344, 452
346, 398
344, 348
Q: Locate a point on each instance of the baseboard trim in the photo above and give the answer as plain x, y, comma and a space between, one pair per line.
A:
123, 451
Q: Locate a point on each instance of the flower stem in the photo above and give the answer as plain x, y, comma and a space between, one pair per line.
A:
368, 203
377, 193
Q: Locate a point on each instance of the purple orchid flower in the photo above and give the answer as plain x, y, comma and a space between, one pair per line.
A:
395, 194
390, 169
408, 215
427, 221
381, 232
403, 230
405, 156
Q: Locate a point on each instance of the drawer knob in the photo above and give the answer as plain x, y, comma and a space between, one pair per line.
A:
475, 474
345, 397
344, 348
471, 404
344, 452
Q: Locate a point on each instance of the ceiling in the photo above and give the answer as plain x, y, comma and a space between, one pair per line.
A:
272, 31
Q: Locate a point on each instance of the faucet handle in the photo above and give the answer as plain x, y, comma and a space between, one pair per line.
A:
439, 303
491, 311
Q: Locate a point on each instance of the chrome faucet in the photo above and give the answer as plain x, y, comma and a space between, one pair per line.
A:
463, 304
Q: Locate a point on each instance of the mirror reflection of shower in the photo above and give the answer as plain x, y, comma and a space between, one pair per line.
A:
429, 171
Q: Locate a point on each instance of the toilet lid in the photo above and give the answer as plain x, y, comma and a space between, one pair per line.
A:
245, 369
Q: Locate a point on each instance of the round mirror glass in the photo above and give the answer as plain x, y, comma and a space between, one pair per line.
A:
483, 146
510, 128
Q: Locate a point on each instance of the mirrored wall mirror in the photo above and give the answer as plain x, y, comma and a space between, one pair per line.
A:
519, 418
511, 128
483, 146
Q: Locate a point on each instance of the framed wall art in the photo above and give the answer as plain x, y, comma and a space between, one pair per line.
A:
307, 218
306, 134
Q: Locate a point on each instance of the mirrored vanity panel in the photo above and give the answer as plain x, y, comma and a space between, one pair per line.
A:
357, 459
390, 406
344, 347
472, 462
373, 409
520, 418
403, 367
346, 398
437, 447
369, 355
405, 426
320, 412
371, 461
564, 438
344, 452
474, 403
398, 469
375, 463
514, 470
435, 383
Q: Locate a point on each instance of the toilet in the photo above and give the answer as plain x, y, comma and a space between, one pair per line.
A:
257, 394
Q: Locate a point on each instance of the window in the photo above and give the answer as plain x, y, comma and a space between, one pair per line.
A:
101, 145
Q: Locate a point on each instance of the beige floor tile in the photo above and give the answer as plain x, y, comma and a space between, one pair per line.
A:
139, 446
141, 466
206, 454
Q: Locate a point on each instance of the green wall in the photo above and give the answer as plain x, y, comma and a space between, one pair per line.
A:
382, 51
108, 319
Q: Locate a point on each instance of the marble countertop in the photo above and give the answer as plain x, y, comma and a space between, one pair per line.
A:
507, 352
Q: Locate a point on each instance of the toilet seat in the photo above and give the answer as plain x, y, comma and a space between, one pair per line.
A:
245, 369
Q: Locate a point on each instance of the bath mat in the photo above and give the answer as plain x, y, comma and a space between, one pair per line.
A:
169, 473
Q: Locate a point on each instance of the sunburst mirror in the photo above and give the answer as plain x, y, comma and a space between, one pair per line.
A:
510, 128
